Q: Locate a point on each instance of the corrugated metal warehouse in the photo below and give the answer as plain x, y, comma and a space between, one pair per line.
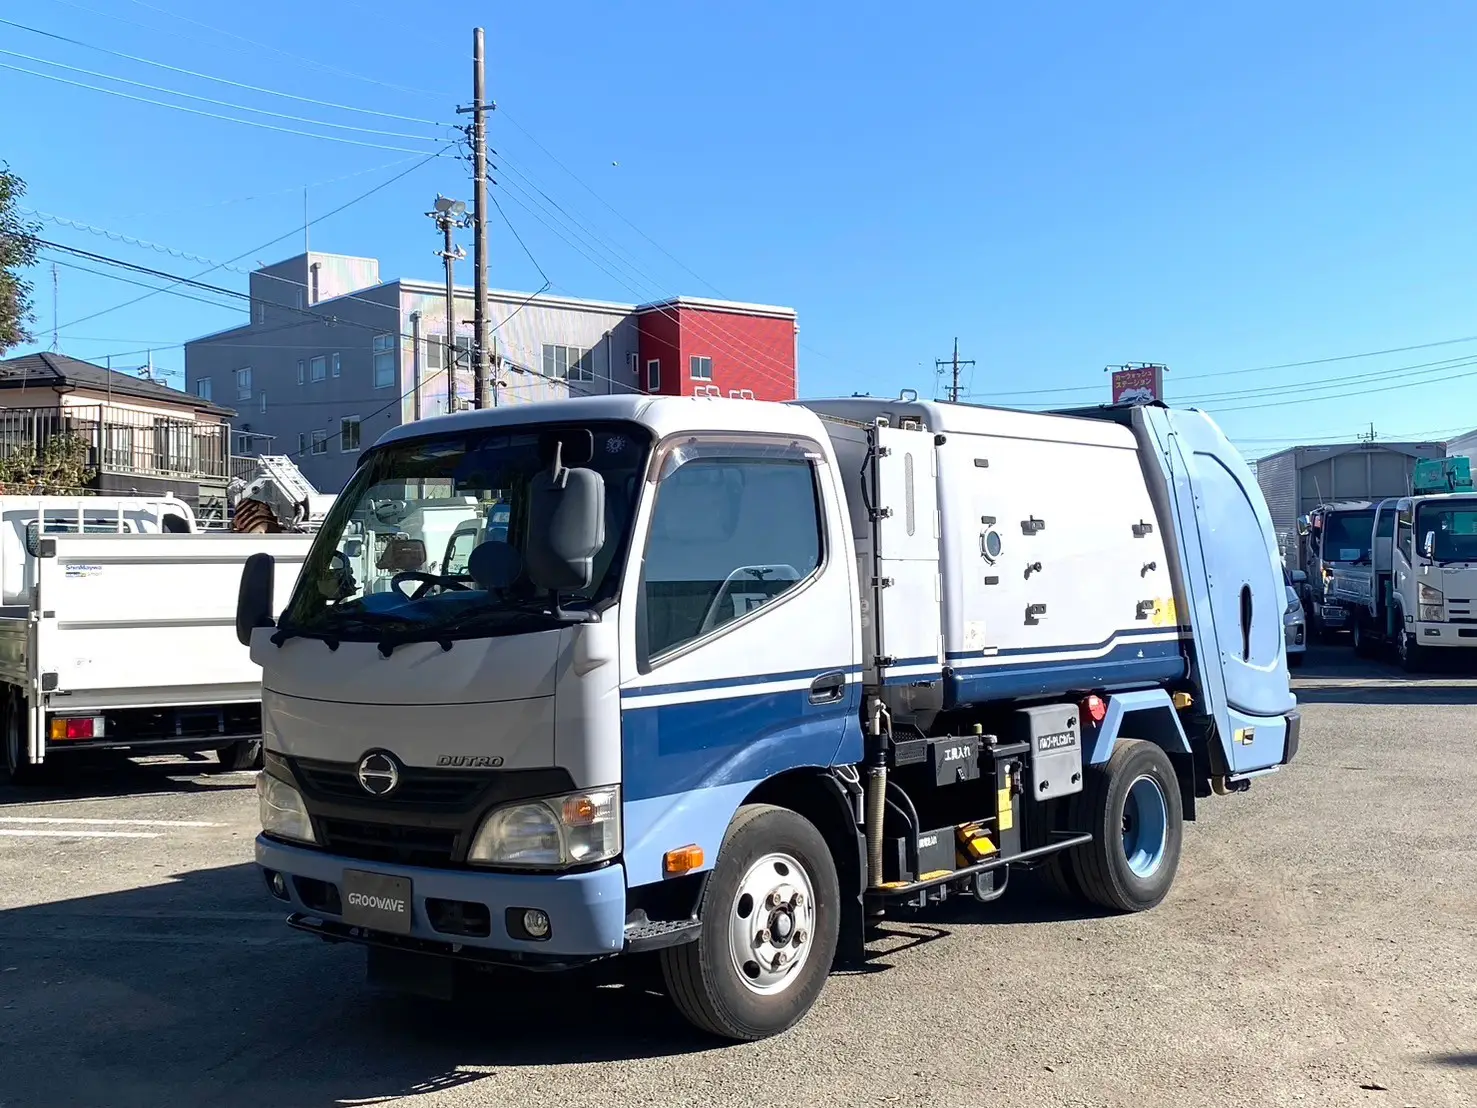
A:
1298, 479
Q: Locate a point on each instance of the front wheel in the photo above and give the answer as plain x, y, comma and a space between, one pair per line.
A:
770, 924
1136, 817
237, 756
1412, 655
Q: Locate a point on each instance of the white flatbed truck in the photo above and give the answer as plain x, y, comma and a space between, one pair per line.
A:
125, 641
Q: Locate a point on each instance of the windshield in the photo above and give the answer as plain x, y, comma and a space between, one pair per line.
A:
391, 559
1451, 529
1348, 536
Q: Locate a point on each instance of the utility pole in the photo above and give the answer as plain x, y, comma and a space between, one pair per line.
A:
940, 363
482, 361
415, 361
1369, 438
448, 215
55, 301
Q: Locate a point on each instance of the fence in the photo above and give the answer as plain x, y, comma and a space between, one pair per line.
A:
123, 440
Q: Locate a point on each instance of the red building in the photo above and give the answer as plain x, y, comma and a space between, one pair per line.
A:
689, 347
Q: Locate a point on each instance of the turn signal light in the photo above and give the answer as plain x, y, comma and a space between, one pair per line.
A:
76, 727
684, 859
1095, 708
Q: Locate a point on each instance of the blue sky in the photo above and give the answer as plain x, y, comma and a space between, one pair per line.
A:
1062, 186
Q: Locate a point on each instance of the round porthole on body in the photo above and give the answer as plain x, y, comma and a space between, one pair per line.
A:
990, 545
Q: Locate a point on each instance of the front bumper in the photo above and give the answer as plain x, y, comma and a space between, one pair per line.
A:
587, 911
1458, 635
1333, 615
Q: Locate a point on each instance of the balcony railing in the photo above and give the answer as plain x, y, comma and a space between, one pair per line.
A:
123, 440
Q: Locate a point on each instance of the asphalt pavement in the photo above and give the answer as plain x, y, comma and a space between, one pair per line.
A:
1319, 948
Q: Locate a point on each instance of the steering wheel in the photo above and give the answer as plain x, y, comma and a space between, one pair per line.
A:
457, 583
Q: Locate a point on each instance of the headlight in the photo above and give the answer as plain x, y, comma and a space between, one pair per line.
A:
1429, 601
282, 811
559, 831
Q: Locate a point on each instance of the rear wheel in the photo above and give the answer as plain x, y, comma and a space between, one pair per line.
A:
15, 767
239, 756
771, 920
1136, 818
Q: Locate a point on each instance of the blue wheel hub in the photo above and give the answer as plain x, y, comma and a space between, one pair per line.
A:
1145, 826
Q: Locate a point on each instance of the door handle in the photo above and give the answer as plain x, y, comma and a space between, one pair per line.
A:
828, 688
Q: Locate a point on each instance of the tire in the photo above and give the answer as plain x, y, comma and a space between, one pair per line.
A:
1361, 639
239, 756
1411, 654
1137, 822
766, 850
1060, 876
14, 769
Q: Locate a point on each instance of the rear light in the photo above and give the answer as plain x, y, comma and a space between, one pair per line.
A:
1095, 708
64, 728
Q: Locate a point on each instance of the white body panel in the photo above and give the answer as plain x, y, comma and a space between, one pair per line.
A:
116, 614
23, 515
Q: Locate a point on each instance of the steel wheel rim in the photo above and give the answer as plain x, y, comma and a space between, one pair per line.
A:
771, 924
1145, 826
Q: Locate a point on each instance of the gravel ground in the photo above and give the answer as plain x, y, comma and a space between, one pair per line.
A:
1319, 948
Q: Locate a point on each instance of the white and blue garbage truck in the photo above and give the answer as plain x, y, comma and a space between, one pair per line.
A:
737, 678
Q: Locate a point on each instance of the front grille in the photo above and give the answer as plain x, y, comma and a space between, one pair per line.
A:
388, 842
434, 789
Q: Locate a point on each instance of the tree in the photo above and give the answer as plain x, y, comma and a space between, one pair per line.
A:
59, 469
17, 251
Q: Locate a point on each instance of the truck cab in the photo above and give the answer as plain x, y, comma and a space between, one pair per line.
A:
1433, 572
1337, 548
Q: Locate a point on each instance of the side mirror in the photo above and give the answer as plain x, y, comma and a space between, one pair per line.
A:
1428, 548
566, 525
254, 598
1303, 527
1299, 577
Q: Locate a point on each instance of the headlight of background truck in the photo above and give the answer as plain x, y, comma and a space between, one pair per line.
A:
568, 830
282, 810
1429, 600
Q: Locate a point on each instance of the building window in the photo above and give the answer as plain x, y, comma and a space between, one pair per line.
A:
653, 375
568, 363
633, 363
435, 353
262, 402
337, 365
202, 388
319, 367
302, 444
384, 361
243, 384
320, 442
302, 371
700, 368
297, 298
348, 434
259, 311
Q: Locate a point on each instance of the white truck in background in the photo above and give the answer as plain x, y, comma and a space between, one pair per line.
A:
124, 640
1419, 593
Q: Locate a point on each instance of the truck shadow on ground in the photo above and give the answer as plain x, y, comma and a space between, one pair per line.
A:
193, 991
1388, 694
103, 776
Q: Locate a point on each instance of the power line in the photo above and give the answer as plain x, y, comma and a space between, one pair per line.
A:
219, 80
426, 160
220, 103
324, 66
213, 115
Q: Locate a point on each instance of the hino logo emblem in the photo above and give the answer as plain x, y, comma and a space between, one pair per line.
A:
379, 773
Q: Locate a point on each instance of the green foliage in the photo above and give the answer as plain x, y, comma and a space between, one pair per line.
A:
60, 469
17, 251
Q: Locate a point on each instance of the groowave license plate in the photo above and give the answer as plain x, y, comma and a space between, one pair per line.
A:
377, 900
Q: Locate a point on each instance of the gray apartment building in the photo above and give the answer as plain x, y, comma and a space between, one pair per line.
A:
329, 361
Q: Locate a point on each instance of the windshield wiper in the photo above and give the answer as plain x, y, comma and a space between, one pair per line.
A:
441, 633
363, 622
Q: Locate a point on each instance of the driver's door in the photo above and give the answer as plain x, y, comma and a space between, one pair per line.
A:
740, 639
